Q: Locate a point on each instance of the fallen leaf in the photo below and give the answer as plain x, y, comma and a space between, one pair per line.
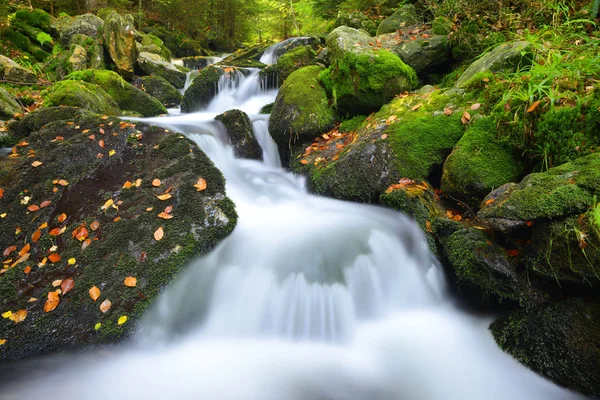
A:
82, 234
9, 250
55, 232
303, 162
57, 282
513, 253
200, 185
101, 143
158, 235
156, 183
97, 326
111, 153
1, 193
18, 316
24, 250
32, 300
95, 225
164, 197
6, 314
27, 270
36, 164
127, 185
45, 203
94, 293
71, 261
62, 217
466, 117
534, 106
168, 209
138, 183
63, 182
67, 286
384, 136
475, 107
448, 111
54, 257
36, 236
130, 281
415, 108
52, 302
164, 215
122, 319
105, 306
33, 208
490, 201
2, 341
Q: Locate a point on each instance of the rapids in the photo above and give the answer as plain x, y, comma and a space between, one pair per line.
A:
309, 298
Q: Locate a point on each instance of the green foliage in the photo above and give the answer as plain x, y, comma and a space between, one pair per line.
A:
43, 38
352, 125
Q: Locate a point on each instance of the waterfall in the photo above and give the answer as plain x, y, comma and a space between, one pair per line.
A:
308, 298
272, 54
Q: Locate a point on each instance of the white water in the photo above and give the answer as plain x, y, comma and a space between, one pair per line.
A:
309, 298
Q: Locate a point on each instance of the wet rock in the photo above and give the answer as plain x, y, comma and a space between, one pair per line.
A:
154, 64
160, 89
241, 134
293, 60
11, 71
36, 120
405, 16
119, 40
202, 90
123, 243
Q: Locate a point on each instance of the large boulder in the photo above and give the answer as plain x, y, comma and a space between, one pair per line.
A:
154, 64
505, 58
160, 89
301, 111
152, 44
202, 90
405, 16
560, 341
36, 18
119, 40
103, 193
479, 164
13, 72
293, 60
86, 24
362, 78
127, 96
8, 105
356, 20
408, 138
81, 94
426, 53
36, 120
241, 134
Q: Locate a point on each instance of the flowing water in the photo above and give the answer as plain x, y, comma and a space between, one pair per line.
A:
308, 299
272, 54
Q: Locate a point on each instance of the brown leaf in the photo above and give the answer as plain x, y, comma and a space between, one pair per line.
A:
130, 281
534, 106
415, 108
67, 285
94, 293
101, 143
82, 234
158, 235
475, 107
45, 203
33, 208
9, 250
448, 111
105, 306
62, 217
52, 302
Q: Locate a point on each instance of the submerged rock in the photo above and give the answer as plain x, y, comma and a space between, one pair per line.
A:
160, 89
154, 64
127, 96
119, 40
13, 72
560, 341
405, 16
241, 134
83, 187
301, 111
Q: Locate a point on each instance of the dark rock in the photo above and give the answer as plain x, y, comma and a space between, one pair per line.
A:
241, 134
202, 90
161, 89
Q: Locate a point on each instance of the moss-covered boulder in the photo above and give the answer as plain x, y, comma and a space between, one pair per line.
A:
408, 138
507, 57
560, 341
96, 225
160, 89
247, 57
426, 54
127, 96
202, 90
405, 15
479, 164
301, 111
36, 18
86, 24
153, 44
8, 105
361, 78
13, 72
241, 134
293, 60
154, 64
119, 40
36, 120
83, 53
16, 39
93, 49
176, 42
357, 20
81, 94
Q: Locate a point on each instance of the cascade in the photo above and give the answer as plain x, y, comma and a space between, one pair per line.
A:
272, 54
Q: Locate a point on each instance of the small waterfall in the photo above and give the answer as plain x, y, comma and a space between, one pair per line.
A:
197, 63
269, 79
261, 131
188, 80
272, 54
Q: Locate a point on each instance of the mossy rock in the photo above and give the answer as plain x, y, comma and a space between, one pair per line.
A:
127, 96
177, 42
119, 40
505, 58
441, 26
36, 120
122, 245
301, 111
160, 89
247, 57
202, 90
86, 24
405, 16
241, 134
17, 39
13, 72
33, 34
424, 55
37, 18
81, 94
408, 138
8, 106
361, 79
479, 163
154, 64
570, 189
154, 41
560, 341
293, 60
268, 109
357, 20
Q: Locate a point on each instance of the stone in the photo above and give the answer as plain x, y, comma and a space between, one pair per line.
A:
241, 134
120, 42
13, 72
154, 64
405, 16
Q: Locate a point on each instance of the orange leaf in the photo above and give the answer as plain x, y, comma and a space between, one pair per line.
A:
201, 184
534, 106
105, 306
62, 217
127, 185
18, 316
303, 162
54, 257
66, 286
24, 250
33, 208
164, 215
52, 302
101, 143
1, 193
164, 197
36, 164
514, 253
130, 281
45, 203
156, 183
158, 235
94, 293
27, 270
490, 201
54, 232
169, 209
82, 234
36, 236
63, 182
95, 225
448, 111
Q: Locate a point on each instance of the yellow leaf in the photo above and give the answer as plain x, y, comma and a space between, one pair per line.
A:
94, 293
108, 203
122, 319
158, 235
97, 326
138, 183
2, 341
112, 153
71, 261
57, 283
164, 215
164, 197
130, 281
7, 314
19, 316
36, 164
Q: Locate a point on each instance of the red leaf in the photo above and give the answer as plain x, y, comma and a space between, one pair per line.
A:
67, 285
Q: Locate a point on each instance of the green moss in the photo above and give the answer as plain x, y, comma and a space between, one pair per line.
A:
81, 94
441, 26
161, 89
127, 96
479, 163
267, 109
19, 40
35, 17
353, 124
295, 59
202, 90
360, 82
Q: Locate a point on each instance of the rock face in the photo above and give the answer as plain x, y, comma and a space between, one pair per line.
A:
505, 58
11, 71
119, 40
423, 54
83, 95
160, 89
561, 341
301, 111
127, 96
202, 89
405, 16
87, 24
240, 131
479, 163
115, 234
154, 64
361, 79
8, 105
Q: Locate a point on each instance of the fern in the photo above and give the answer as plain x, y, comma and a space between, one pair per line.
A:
43, 37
